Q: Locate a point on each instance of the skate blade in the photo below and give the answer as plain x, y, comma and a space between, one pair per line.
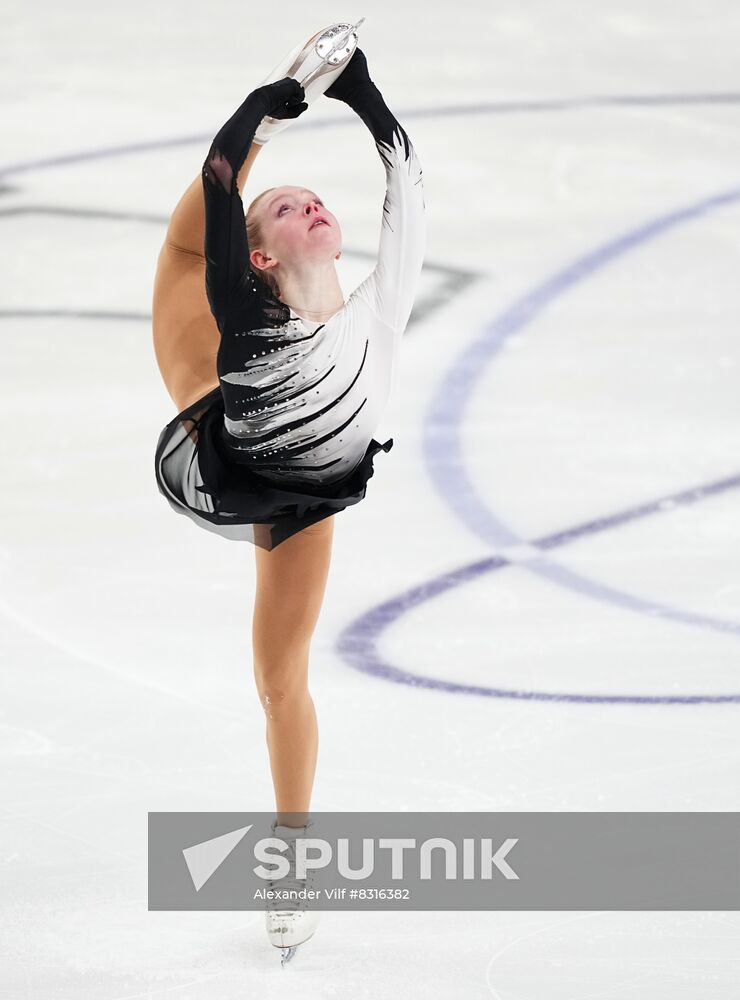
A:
288, 953
317, 62
333, 47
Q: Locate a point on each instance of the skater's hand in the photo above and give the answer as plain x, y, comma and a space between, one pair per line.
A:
283, 99
352, 80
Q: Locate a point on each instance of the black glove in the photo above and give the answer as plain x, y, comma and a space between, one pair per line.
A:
353, 79
283, 99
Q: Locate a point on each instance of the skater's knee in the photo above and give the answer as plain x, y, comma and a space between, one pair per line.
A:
279, 703
281, 687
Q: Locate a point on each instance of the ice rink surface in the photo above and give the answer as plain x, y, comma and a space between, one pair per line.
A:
537, 606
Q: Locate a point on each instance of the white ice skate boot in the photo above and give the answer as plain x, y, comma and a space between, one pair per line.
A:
315, 64
290, 922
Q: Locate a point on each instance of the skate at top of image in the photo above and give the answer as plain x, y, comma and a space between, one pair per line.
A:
335, 46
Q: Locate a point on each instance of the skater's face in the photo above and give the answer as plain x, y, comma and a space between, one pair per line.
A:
296, 227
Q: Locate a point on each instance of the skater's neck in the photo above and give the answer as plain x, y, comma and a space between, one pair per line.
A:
314, 292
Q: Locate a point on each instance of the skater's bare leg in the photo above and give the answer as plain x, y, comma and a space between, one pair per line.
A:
291, 580
186, 338
187, 225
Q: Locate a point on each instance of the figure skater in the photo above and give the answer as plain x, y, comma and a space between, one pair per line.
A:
279, 385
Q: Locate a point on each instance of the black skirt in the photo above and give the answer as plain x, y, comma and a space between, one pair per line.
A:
196, 476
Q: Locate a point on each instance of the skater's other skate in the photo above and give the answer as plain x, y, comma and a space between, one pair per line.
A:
315, 64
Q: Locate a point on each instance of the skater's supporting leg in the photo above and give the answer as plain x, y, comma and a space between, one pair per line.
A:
291, 580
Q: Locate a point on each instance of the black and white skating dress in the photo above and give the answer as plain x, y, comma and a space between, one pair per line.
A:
286, 438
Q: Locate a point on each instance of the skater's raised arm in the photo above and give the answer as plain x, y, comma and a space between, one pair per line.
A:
230, 282
391, 287
187, 222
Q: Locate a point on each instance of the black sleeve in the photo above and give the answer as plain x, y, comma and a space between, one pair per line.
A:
369, 104
391, 288
230, 282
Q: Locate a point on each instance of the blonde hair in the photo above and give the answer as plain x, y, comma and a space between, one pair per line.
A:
254, 239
